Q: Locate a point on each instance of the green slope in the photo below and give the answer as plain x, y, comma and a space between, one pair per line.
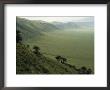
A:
33, 28
29, 63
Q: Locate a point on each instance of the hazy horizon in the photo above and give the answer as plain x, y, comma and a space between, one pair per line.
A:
60, 19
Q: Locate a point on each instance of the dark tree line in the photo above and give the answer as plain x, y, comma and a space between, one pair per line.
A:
18, 36
19, 40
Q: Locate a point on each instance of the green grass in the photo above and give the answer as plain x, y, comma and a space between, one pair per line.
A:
75, 45
29, 63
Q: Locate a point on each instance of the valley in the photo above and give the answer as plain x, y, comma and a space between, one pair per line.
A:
72, 40
76, 46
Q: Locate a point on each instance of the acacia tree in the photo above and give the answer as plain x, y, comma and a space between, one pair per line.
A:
63, 60
58, 58
18, 36
36, 50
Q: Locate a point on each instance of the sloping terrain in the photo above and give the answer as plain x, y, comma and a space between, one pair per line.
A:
29, 63
29, 29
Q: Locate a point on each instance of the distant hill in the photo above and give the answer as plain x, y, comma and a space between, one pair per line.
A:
31, 28
73, 25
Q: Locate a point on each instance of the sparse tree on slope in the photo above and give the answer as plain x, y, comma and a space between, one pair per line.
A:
36, 50
63, 60
58, 58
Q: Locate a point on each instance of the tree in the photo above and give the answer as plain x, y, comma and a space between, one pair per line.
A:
36, 50
58, 58
18, 37
63, 60
83, 70
89, 71
28, 46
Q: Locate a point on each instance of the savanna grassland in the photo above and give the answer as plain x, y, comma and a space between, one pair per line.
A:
74, 44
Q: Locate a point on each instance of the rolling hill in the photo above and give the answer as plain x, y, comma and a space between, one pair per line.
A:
73, 25
29, 28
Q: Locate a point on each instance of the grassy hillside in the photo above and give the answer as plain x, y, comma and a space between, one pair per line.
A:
29, 63
33, 28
